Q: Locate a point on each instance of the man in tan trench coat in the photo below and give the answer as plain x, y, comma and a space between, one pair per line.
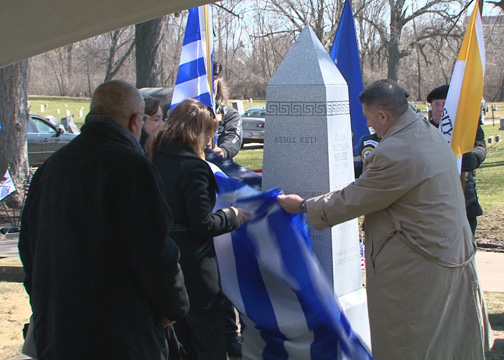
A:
424, 297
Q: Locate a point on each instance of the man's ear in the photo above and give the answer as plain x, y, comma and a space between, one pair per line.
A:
383, 117
133, 123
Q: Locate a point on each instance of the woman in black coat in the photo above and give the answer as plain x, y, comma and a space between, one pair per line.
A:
177, 150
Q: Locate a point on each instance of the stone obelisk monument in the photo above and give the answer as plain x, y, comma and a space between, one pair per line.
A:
308, 151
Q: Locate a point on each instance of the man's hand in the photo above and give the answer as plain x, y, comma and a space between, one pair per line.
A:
242, 216
218, 151
290, 203
165, 322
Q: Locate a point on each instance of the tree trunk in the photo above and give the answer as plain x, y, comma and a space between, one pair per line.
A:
501, 95
393, 43
393, 61
14, 119
147, 39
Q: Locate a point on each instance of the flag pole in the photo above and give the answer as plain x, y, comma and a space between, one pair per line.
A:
208, 50
463, 174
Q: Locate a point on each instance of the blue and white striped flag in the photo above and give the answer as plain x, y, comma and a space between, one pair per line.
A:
195, 73
7, 186
287, 307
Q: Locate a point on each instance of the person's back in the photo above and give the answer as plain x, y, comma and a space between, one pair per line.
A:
430, 180
101, 269
424, 212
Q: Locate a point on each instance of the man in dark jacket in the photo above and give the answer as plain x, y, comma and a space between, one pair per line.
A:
230, 132
470, 161
101, 271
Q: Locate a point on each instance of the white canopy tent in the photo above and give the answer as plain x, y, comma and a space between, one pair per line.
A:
31, 27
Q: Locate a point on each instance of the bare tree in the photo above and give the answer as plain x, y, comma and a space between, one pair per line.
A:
499, 4
14, 119
321, 15
115, 60
493, 27
147, 39
60, 61
169, 49
400, 14
415, 44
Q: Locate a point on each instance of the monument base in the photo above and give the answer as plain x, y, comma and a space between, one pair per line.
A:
354, 305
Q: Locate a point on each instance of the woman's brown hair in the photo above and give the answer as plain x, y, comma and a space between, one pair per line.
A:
190, 122
151, 105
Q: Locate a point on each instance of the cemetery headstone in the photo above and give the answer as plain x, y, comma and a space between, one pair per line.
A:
53, 120
69, 125
238, 105
308, 151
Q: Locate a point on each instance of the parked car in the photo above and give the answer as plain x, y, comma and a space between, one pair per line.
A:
44, 138
253, 121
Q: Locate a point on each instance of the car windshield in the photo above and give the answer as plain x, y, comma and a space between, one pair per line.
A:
255, 113
42, 127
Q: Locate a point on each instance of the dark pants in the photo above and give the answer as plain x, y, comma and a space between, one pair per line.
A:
203, 334
473, 223
230, 319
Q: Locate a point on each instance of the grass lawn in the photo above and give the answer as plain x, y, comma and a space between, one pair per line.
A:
58, 106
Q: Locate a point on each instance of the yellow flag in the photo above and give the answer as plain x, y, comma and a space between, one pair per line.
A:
463, 102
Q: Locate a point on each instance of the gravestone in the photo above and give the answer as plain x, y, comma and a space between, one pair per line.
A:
69, 125
53, 120
238, 106
501, 123
308, 151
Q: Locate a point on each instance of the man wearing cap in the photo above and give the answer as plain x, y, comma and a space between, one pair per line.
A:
424, 299
470, 161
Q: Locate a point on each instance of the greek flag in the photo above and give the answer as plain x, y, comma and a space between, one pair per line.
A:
286, 305
6, 186
195, 73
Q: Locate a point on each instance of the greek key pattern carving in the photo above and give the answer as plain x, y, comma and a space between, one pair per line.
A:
308, 108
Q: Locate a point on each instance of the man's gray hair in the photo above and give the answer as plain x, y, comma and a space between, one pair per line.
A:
116, 99
387, 95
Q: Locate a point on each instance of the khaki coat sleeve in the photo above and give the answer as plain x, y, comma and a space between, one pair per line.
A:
386, 178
